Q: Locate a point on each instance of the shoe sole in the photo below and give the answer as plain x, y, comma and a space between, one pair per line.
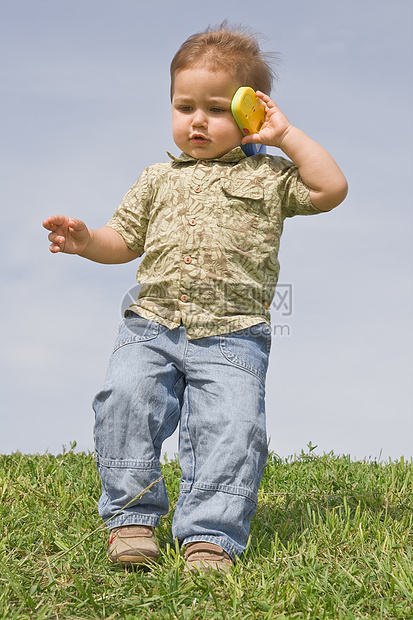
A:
207, 567
134, 560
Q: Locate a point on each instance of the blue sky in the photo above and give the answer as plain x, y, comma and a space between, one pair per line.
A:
85, 108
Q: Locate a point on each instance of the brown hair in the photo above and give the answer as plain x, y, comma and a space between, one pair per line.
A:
230, 49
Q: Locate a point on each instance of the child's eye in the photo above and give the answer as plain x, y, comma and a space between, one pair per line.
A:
184, 108
217, 110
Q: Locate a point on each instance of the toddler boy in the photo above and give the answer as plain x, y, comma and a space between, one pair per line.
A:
193, 348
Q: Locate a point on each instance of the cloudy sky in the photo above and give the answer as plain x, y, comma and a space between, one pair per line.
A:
85, 108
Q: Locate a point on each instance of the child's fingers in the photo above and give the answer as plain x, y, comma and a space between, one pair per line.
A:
251, 138
266, 99
57, 242
48, 224
53, 221
75, 224
57, 238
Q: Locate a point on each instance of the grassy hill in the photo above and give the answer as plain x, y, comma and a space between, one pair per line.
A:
331, 539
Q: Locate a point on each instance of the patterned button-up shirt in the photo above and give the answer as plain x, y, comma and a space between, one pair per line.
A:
210, 231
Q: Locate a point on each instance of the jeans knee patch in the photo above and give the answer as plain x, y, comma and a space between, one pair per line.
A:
126, 463
128, 476
228, 489
132, 490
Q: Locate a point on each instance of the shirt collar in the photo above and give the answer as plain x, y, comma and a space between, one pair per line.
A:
233, 156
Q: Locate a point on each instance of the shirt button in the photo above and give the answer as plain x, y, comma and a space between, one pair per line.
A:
192, 222
187, 260
184, 298
197, 189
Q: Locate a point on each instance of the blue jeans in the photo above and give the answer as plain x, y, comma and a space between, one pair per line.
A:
214, 388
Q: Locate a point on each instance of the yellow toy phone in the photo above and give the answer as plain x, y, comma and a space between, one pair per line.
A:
248, 110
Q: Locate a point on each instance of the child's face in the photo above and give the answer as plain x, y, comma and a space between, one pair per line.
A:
202, 122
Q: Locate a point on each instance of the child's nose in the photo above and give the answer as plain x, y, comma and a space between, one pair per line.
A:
199, 119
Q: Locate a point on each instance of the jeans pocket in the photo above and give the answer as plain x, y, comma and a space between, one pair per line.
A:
248, 349
135, 328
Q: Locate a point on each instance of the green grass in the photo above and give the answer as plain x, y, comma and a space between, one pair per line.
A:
332, 538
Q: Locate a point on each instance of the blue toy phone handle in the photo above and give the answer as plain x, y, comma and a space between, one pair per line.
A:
253, 149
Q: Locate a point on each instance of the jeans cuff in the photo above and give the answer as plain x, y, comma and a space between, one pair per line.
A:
133, 519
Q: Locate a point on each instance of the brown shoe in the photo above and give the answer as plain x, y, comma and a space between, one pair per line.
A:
133, 545
206, 557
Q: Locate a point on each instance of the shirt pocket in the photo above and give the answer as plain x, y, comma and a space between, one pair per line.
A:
241, 213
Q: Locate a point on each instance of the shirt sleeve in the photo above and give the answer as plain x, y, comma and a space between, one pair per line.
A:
293, 192
132, 215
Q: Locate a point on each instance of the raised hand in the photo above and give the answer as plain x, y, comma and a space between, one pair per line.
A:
275, 126
318, 170
67, 234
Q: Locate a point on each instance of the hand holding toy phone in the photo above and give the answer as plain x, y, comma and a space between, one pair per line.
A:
248, 110
249, 114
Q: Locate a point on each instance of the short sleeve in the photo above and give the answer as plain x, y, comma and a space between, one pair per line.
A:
293, 192
131, 217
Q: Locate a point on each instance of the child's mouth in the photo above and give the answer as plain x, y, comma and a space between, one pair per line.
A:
198, 139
